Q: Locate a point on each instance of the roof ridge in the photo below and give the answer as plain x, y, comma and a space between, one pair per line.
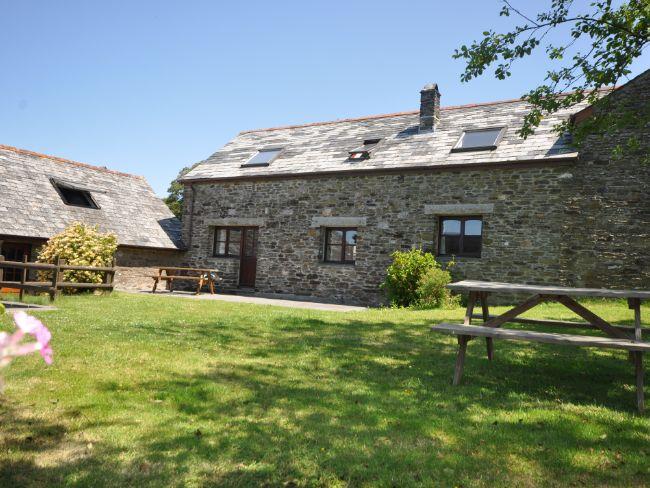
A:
67, 161
410, 112
380, 116
328, 122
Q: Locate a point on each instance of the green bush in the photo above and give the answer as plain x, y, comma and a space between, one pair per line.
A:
2, 309
432, 289
415, 279
81, 245
404, 274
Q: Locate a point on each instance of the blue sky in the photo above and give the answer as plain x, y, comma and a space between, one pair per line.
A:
148, 87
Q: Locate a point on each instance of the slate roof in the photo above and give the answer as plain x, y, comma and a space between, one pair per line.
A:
30, 206
323, 147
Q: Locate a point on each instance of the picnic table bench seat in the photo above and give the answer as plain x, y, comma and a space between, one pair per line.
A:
543, 337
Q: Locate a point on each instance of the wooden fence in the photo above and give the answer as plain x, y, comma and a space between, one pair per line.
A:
55, 285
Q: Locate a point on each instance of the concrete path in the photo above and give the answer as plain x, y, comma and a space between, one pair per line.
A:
278, 302
13, 307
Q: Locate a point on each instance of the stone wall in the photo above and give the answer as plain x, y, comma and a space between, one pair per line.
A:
135, 266
525, 220
611, 201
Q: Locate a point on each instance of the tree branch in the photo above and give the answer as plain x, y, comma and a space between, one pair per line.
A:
519, 13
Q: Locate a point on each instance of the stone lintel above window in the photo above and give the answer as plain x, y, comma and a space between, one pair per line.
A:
237, 222
459, 209
338, 222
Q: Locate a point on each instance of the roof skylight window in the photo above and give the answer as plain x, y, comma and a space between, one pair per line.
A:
363, 152
479, 139
75, 197
263, 157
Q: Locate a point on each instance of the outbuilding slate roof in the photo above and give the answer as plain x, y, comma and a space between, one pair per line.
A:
30, 206
323, 147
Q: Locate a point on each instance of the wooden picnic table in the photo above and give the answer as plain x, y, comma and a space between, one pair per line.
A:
171, 273
618, 336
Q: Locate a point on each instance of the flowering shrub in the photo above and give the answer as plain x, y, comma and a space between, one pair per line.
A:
80, 245
14, 345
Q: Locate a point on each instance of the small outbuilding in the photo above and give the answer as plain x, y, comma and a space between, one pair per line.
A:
41, 195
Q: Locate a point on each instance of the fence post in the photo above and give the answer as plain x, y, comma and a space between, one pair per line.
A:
55, 279
23, 279
2, 277
110, 275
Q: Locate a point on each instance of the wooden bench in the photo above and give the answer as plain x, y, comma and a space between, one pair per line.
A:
201, 275
618, 337
466, 332
544, 337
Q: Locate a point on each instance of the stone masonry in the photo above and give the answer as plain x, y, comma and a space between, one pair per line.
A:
532, 219
610, 203
135, 267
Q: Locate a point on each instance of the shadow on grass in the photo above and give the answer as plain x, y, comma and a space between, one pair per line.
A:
37, 453
321, 402
372, 403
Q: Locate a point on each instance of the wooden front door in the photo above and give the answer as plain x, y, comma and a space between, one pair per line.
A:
248, 263
15, 251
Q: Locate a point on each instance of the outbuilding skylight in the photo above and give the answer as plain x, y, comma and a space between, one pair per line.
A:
75, 197
479, 139
363, 152
263, 157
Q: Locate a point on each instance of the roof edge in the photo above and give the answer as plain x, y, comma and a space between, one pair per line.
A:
514, 163
179, 248
57, 159
174, 247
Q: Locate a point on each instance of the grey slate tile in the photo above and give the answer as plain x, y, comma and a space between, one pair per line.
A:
323, 147
30, 205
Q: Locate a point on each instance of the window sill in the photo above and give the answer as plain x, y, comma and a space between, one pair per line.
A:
220, 256
454, 256
259, 165
470, 149
89, 207
337, 264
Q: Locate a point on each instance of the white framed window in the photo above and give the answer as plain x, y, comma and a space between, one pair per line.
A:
479, 139
263, 157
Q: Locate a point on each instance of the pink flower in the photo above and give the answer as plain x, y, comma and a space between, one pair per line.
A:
43, 336
46, 353
31, 325
27, 323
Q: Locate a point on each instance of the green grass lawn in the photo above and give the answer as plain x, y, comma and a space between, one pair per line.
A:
158, 391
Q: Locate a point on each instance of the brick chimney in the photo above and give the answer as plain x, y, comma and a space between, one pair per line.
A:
429, 107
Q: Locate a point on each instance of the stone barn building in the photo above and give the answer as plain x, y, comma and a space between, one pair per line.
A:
317, 209
41, 195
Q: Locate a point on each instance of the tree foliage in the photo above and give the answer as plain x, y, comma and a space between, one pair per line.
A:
600, 40
174, 198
